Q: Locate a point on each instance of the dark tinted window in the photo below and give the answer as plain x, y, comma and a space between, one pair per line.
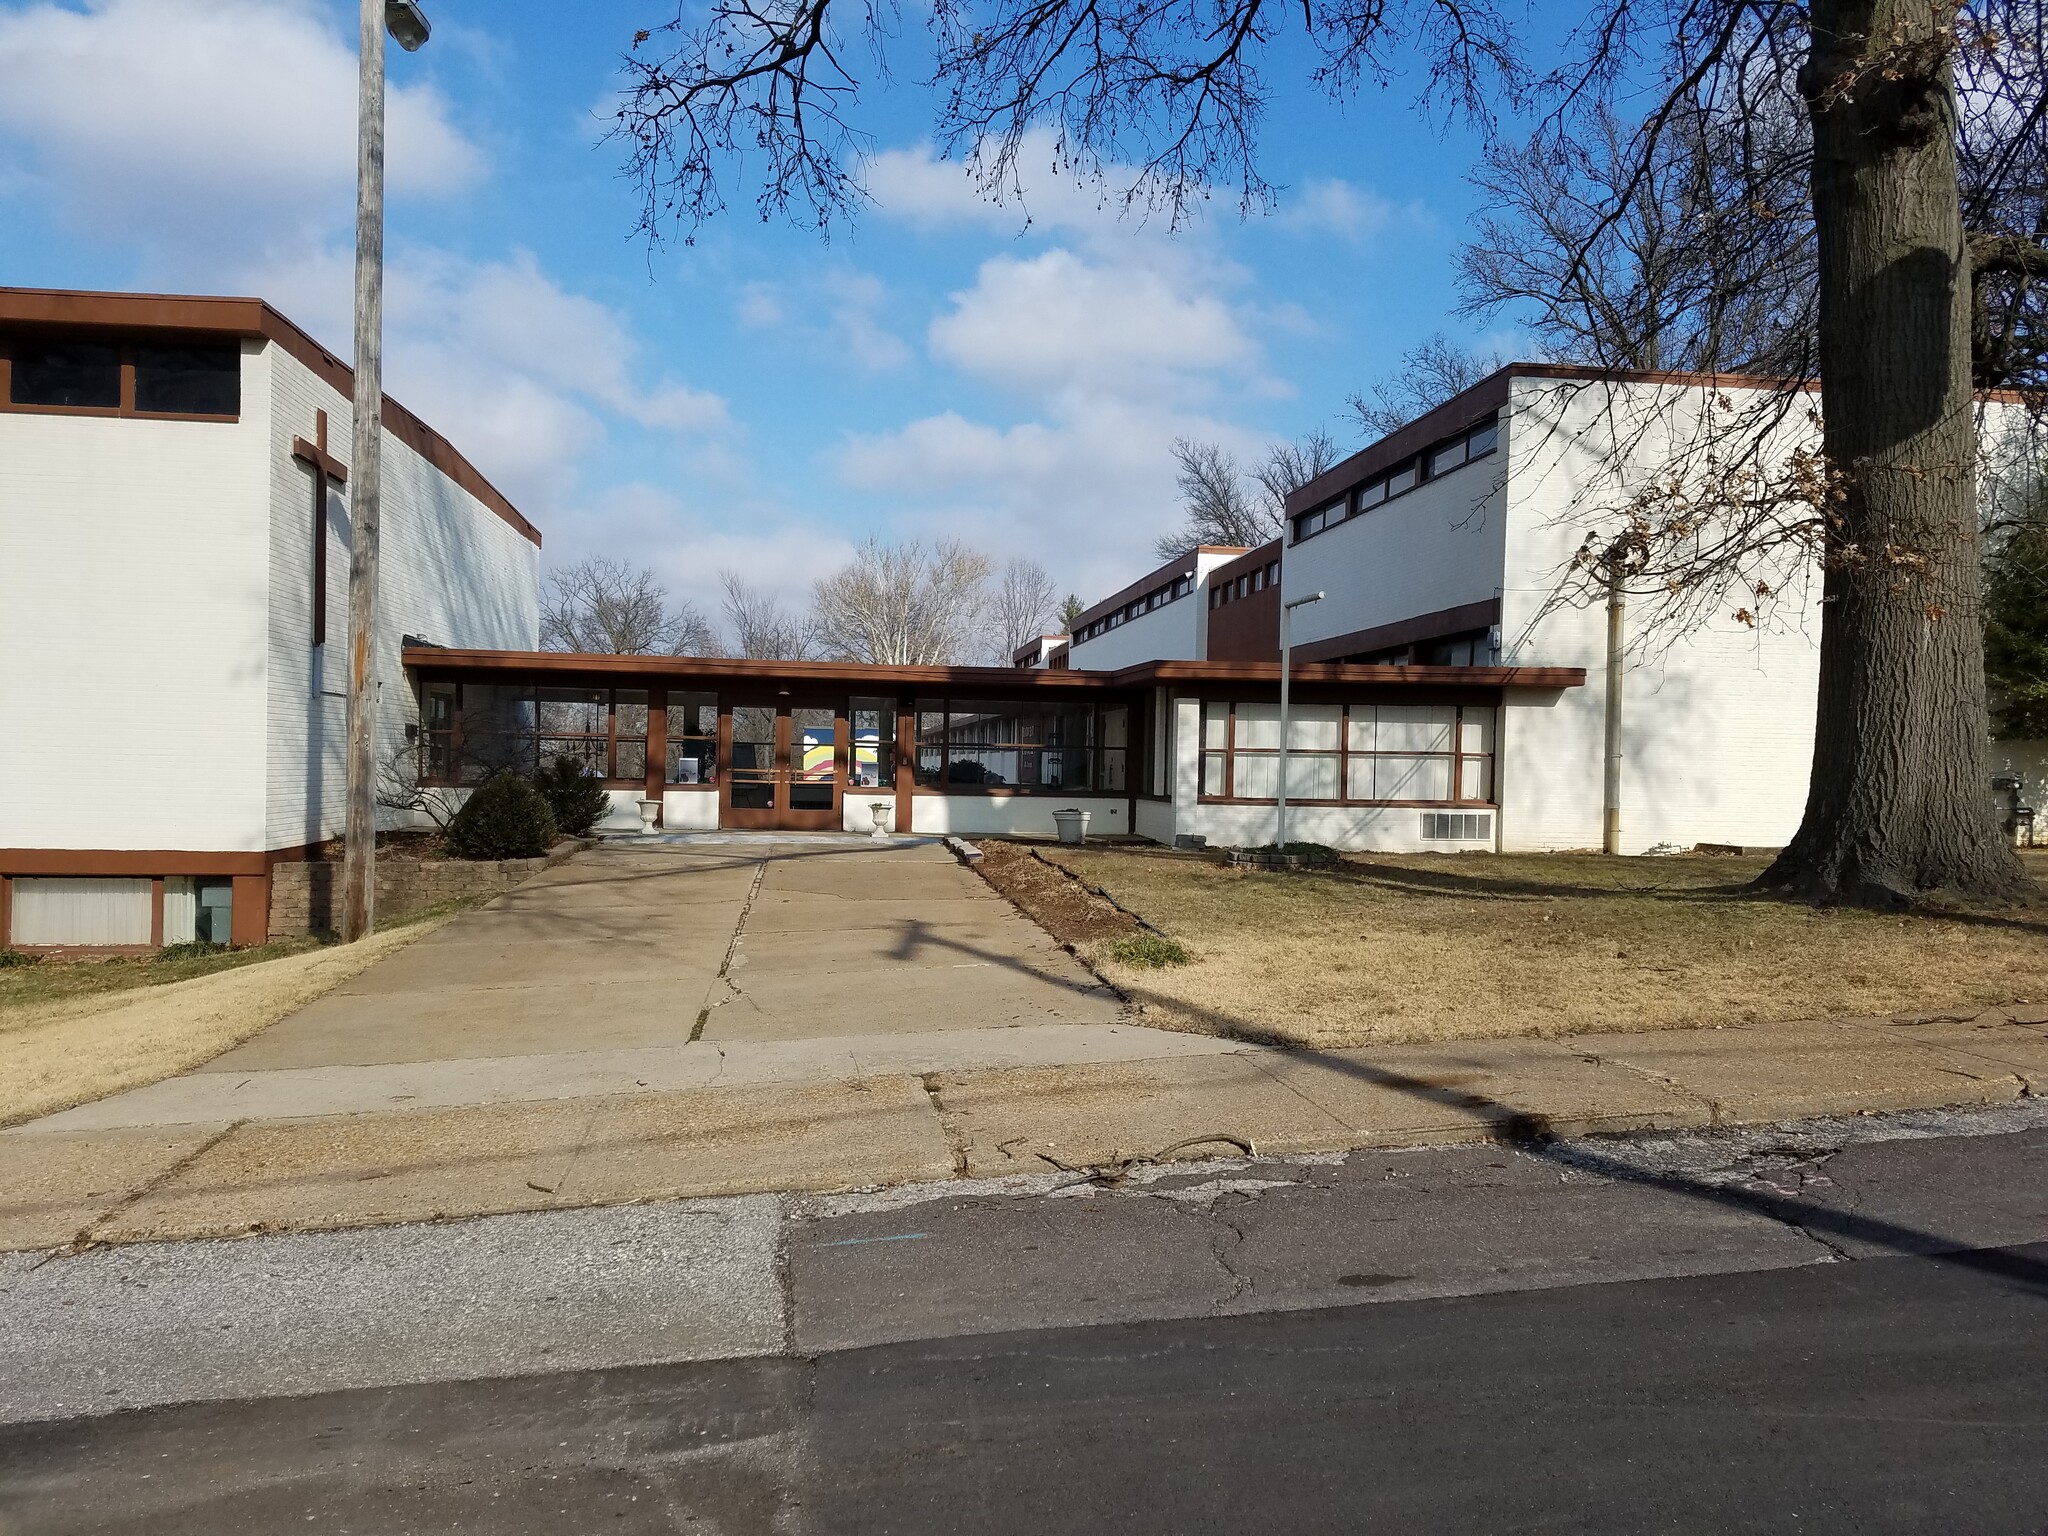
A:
192, 381
73, 373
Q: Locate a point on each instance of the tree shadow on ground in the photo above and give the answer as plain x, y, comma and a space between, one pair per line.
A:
1530, 1131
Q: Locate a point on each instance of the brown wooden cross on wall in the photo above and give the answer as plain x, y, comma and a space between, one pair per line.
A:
326, 467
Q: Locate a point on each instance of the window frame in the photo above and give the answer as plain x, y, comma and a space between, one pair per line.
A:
126, 347
1376, 493
946, 705
1456, 758
449, 743
681, 701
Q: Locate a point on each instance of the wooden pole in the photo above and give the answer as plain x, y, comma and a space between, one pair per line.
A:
359, 870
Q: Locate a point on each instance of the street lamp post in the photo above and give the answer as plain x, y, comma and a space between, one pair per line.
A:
408, 24
1286, 655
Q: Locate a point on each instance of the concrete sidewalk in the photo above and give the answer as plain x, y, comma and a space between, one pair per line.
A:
736, 1014
228, 1175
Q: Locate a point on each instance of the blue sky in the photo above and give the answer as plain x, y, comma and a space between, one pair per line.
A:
760, 400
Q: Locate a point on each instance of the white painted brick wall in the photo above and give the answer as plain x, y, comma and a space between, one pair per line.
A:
452, 571
1717, 721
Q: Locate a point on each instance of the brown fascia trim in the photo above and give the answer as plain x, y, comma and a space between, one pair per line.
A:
1491, 394
855, 678
1250, 560
84, 862
187, 314
1181, 565
1423, 626
1199, 672
850, 677
1032, 647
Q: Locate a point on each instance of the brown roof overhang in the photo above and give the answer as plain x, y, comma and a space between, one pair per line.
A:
185, 314
854, 676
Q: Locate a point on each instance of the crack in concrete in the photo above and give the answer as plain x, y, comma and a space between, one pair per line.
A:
1224, 1252
84, 1238
948, 1126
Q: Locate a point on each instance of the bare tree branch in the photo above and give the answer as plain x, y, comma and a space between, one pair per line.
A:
602, 606
904, 605
1428, 375
1020, 607
758, 626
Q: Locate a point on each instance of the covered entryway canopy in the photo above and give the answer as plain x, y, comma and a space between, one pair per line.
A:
767, 745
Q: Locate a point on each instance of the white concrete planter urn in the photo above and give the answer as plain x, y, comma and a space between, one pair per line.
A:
649, 809
880, 810
1072, 825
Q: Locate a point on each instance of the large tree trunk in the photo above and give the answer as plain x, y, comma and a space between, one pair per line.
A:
1899, 803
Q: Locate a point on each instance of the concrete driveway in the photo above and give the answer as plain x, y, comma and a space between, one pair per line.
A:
719, 959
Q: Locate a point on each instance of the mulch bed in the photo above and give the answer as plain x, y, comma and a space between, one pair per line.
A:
1057, 902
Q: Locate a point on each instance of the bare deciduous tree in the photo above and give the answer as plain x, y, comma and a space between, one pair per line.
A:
1020, 607
904, 605
758, 626
399, 787
1696, 257
602, 606
1428, 375
1225, 505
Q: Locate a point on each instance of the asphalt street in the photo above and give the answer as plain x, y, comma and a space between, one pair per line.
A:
1837, 1326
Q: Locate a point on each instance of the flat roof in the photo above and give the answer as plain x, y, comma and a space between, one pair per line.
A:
1180, 565
191, 314
852, 677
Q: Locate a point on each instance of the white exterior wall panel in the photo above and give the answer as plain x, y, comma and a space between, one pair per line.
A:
134, 573
1717, 719
1169, 633
1437, 547
451, 571
1178, 631
1012, 815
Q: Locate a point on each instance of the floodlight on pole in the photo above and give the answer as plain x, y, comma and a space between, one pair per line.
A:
1286, 655
407, 24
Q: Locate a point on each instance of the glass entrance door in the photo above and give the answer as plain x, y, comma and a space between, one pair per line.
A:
788, 762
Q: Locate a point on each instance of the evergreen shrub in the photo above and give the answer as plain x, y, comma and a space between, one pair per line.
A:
505, 818
577, 799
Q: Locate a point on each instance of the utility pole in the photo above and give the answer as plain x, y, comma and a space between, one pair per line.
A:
1286, 656
359, 866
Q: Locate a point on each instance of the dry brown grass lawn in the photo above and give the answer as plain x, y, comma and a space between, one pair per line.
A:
78, 1042
1388, 948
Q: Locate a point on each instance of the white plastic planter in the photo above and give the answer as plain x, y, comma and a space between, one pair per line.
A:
1072, 826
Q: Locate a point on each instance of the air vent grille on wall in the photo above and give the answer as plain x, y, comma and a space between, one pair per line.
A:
1456, 826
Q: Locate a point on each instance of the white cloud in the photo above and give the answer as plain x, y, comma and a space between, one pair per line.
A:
1331, 205
520, 373
185, 117
915, 186
1115, 339
688, 544
1085, 491
837, 314
1056, 321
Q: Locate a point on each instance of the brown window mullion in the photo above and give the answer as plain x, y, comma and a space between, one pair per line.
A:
1458, 755
127, 405
1230, 753
1344, 754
